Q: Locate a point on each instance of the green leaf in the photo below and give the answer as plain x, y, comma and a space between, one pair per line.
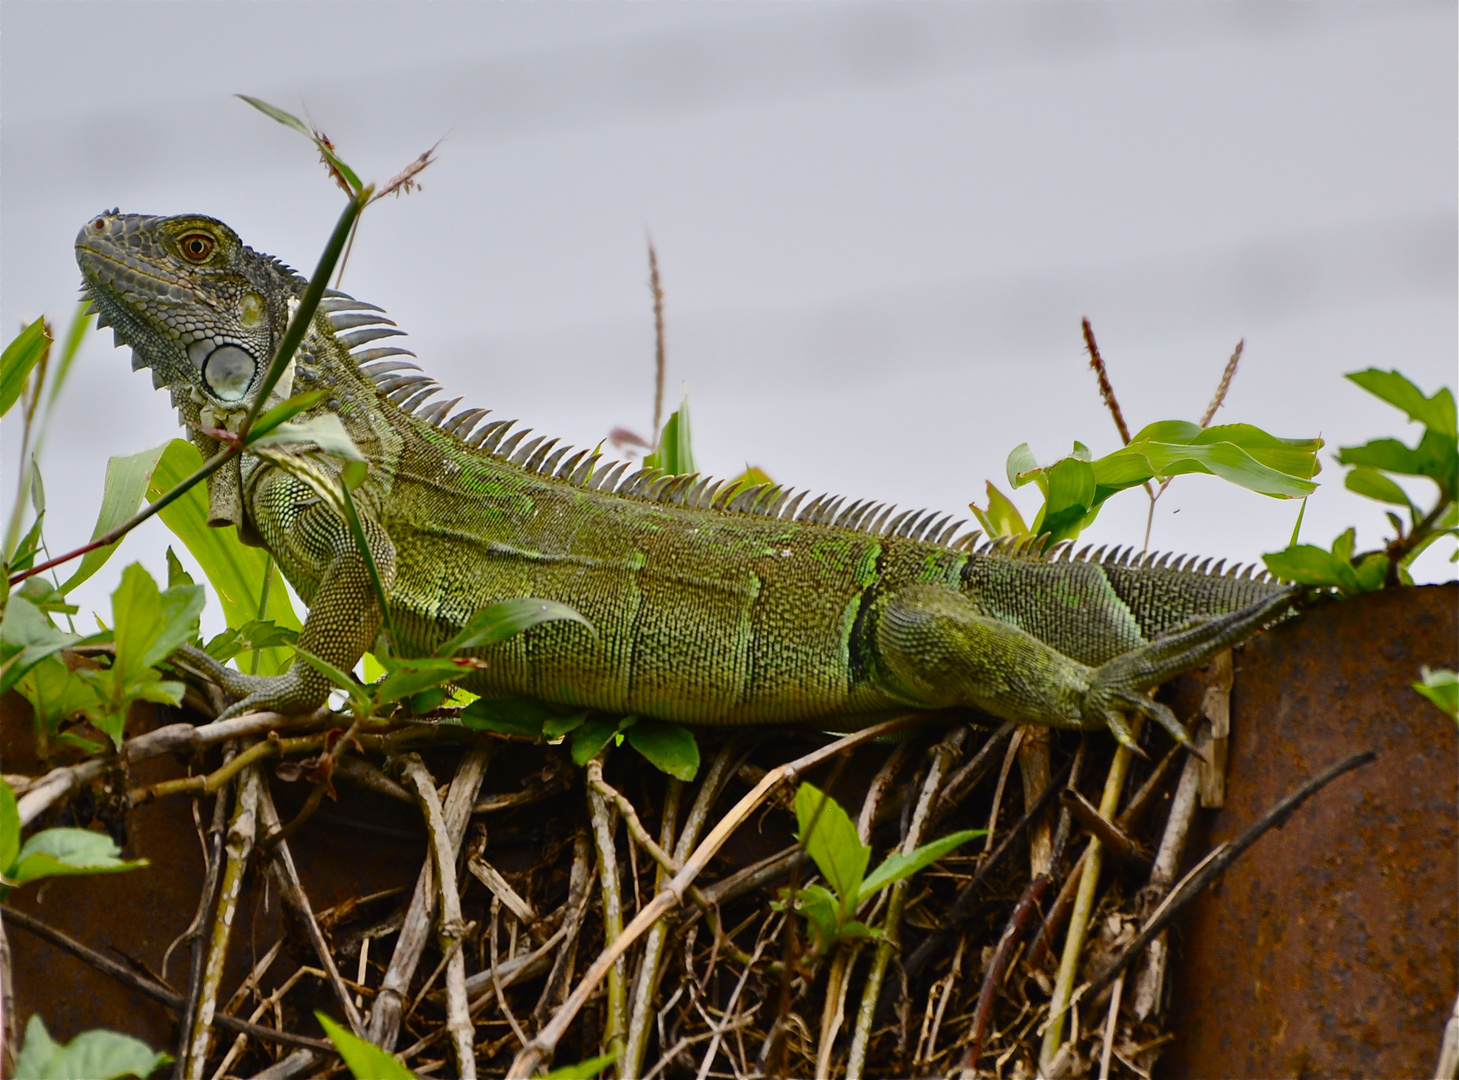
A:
509, 716
507, 619
675, 453
292, 121
92, 1055
364, 1059
21, 355
669, 747
1001, 518
753, 476
1022, 466
589, 739
176, 575
1370, 482
1436, 413
898, 866
405, 678
1306, 564
45, 596
828, 836
285, 410
150, 625
1436, 457
583, 1070
55, 692
126, 482
235, 571
559, 726
1439, 685
325, 431
64, 852
27, 637
1343, 545
9, 828
821, 911
1229, 461
1069, 495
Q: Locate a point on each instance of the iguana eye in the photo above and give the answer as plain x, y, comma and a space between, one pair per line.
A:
228, 371
197, 246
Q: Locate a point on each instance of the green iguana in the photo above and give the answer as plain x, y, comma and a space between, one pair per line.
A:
711, 605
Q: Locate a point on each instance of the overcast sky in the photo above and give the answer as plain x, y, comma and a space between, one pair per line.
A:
878, 226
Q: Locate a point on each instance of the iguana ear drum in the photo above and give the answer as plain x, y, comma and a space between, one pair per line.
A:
228, 371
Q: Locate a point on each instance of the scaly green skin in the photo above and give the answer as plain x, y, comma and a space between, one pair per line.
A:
705, 614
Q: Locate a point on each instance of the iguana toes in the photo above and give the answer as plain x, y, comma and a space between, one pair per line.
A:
711, 606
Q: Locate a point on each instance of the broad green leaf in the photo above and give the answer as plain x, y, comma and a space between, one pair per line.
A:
23, 557
1307, 564
1224, 459
148, 624
126, 483
407, 677
1435, 456
675, 453
1069, 490
507, 619
828, 836
325, 431
92, 1055
898, 866
9, 828
1342, 545
508, 716
1435, 412
27, 637
1371, 571
235, 571
285, 410
821, 911
61, 852
558, 726
589, 739
583, 1070
55, 692
1370, 482
1022, 466
364, 1059
1439, 685
21, 355
176, 574
45, 596
1001, 518
669, 747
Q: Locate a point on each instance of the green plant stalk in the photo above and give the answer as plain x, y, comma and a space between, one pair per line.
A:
299, 324
263, 598
358, 532
1109, 801
615, 1025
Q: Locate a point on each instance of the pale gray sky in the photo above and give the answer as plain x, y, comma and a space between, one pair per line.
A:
878, 226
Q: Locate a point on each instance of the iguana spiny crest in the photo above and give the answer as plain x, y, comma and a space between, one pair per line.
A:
204, 312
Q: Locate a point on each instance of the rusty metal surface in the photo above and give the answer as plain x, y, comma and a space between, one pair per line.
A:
1329, 949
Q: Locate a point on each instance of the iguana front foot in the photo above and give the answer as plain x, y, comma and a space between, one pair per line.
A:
293, 692
1118, 686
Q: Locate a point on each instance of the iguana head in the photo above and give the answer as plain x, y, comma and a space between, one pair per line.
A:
199, 308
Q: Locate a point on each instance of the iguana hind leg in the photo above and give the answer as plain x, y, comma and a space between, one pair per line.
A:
935, 649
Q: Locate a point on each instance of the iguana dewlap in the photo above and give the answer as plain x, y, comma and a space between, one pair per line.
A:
711, 607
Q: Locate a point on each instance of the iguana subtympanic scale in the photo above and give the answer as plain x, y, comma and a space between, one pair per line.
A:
711, 606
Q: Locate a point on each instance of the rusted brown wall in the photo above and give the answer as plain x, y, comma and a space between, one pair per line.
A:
1329, 949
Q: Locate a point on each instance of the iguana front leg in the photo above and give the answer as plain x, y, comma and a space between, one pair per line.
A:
938, 650
315, 545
